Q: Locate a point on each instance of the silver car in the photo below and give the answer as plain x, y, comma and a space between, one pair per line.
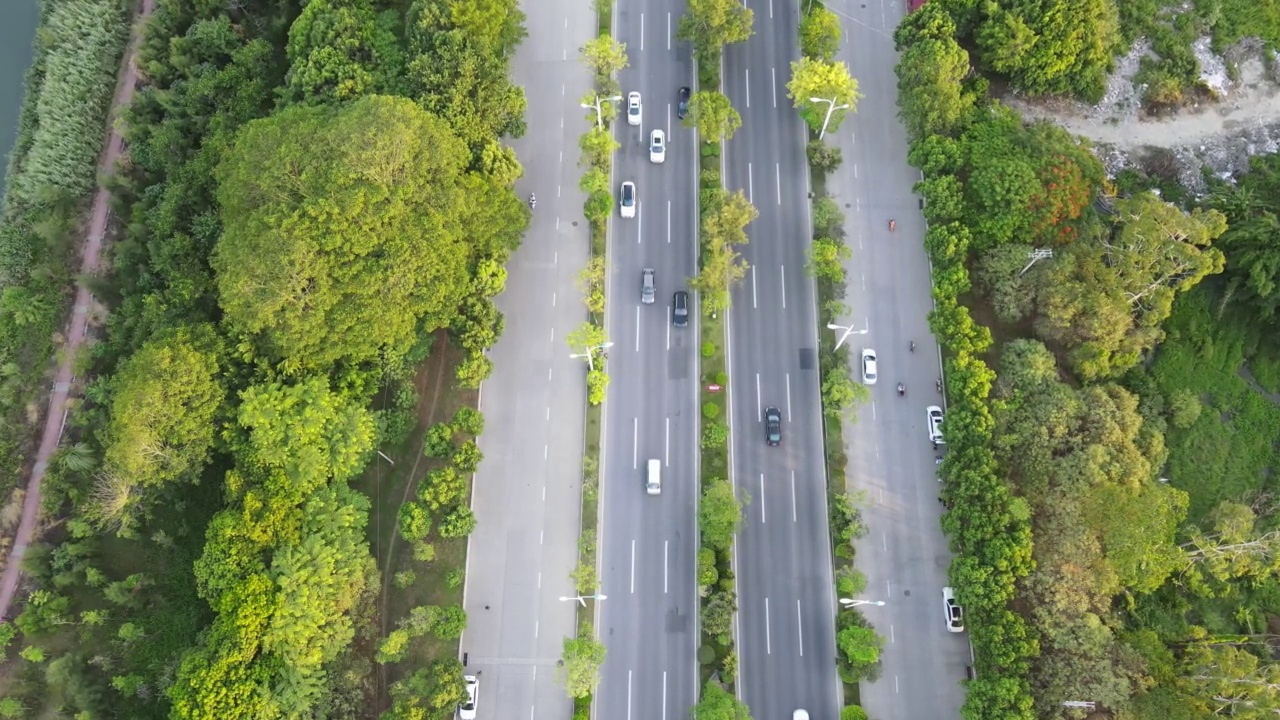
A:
647, 289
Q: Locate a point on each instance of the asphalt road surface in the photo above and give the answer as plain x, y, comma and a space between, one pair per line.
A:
527, 491
648, 544
904, 555
786, 635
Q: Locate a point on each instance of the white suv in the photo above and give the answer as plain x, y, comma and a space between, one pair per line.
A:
935, 424
633, 108
467, 708
868, 366
954, 613
627, 204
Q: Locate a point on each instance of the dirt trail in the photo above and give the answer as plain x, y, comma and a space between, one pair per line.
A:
78, 327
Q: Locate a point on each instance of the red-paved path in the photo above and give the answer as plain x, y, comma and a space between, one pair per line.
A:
76, 330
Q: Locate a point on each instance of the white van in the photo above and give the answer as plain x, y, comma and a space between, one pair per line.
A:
653, 485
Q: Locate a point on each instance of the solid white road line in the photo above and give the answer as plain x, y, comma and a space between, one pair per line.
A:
761, 498
800, 627
633, 566
635, 443
782, 270
788, 397
751, 186
768, 645
759, 405
753, 287
793, 496
664, 581
777, 176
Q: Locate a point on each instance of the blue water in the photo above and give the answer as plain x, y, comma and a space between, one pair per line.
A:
18, 19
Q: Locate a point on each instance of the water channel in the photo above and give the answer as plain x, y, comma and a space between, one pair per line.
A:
18, 19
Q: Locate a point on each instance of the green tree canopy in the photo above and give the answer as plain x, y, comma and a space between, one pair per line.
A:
713, 115
817, 79
340, 50
931, 95
162, 421
717, 703
343, 231
712, 24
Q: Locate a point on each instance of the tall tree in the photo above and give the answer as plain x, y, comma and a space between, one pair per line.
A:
931, 94
712, 24
713, 115
162, 423
343, 232
826, 81
338, 50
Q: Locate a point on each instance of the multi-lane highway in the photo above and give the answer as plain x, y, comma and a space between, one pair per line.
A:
648, 544
527, 493
786, 642
904, 554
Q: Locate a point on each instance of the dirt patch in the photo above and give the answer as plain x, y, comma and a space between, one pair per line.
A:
1235, 120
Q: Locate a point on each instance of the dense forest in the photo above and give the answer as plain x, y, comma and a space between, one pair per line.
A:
1112, 374
313, 205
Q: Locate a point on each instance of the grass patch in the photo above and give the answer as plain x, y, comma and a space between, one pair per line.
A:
1248, 18
1230, 450
389, 486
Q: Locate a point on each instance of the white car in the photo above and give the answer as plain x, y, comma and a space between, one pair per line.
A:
868, 366
633, 108
954, 613
935, 424
467, 709
657, 146
627, 204
800, 715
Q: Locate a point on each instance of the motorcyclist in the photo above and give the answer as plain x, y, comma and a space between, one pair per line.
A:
912, 346
892, 224
533, 200
902, 389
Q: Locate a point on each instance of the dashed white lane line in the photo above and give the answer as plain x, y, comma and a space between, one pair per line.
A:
761, 498
753, 287
777, 177
768, 644
773, 84
793, 496
748, 72
800, 627
782, 270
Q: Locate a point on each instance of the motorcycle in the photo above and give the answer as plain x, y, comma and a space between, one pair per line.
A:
533, 201
912, 346
939, 384
902, 390
892, 225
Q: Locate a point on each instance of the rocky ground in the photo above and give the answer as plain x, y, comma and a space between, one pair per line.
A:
1239, 119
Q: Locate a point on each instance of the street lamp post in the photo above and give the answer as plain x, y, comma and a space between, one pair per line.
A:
596, 106
851, 603
847, 332
583, 598
591, 351
831, 108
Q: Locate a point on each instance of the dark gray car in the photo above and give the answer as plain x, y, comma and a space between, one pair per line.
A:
680, 309
682, 103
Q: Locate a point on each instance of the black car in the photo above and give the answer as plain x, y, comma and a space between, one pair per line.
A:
772, 426
682, 103
680, 309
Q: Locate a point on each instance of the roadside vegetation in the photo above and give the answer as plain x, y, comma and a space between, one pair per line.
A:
1112, 426
1067, 47
50, 179
315, 218
583, 654
709, 25
857, 642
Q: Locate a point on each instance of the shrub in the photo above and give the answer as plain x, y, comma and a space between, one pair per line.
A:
708, 349
393, 647
424, 552
454, 578
710, 410
707, 573
468, 421
714, 435
468, 457
439, 441
597, 383
722, 379
828, 221
460, 522
850, 582
853, 712
448, 622
846, 524
414, 521
402, 580
1184, 409
824, 158
443, 487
